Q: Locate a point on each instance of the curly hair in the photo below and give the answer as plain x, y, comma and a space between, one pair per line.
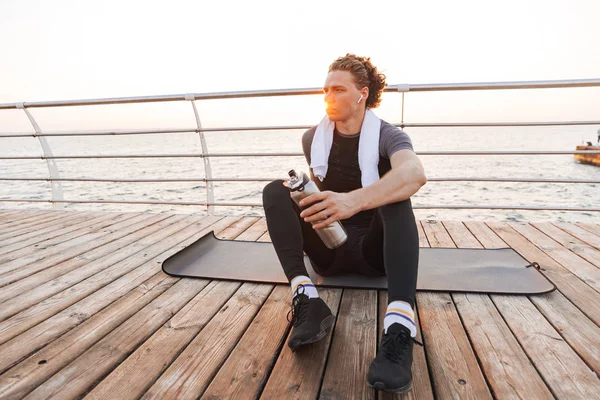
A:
365, 75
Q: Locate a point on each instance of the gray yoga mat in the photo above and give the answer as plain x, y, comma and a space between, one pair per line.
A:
440, 269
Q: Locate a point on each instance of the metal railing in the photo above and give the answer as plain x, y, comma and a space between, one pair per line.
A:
55, 179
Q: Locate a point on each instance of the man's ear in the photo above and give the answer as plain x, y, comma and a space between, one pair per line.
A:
365, 92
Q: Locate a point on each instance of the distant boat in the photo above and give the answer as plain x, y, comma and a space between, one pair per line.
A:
593, 159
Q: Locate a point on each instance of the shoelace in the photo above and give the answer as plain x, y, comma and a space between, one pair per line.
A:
395, 345
297, 313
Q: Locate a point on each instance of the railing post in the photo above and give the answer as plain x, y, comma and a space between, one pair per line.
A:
57, 191
403, 88
402, 118
210, 195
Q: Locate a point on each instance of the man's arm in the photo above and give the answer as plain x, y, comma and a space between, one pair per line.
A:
404, 180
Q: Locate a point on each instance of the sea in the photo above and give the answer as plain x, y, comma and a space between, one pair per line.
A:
424, 139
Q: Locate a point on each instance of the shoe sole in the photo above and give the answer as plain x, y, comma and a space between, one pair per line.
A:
381, 387
325, 325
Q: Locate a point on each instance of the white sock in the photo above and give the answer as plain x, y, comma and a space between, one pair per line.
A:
402, 313
303, 284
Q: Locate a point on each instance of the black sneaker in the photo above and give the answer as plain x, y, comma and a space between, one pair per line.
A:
310, 319
391, 371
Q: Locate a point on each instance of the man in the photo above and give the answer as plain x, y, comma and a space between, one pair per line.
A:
367, 171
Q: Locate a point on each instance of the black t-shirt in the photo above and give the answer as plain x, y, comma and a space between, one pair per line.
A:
343, 172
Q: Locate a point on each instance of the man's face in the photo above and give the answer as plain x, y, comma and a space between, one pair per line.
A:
341, 96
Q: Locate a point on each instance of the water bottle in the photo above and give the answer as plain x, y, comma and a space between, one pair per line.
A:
334, 235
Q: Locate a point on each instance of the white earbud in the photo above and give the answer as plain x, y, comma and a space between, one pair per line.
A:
361, 97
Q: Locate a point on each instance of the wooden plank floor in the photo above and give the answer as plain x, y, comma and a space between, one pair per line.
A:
86, 312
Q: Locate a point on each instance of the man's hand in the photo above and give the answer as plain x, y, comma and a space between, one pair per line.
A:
329, 207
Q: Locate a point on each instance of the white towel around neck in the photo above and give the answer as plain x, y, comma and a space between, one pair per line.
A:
368, 148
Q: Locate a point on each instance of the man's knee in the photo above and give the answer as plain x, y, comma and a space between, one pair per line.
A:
274, 193
402, 209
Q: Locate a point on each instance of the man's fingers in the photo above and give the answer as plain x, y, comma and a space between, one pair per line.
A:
317, 216
312, 210
313, 198
325, 223
315, 208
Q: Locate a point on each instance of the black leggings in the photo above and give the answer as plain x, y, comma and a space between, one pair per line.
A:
389, 246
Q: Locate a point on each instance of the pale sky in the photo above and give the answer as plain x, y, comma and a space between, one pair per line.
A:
61, 50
